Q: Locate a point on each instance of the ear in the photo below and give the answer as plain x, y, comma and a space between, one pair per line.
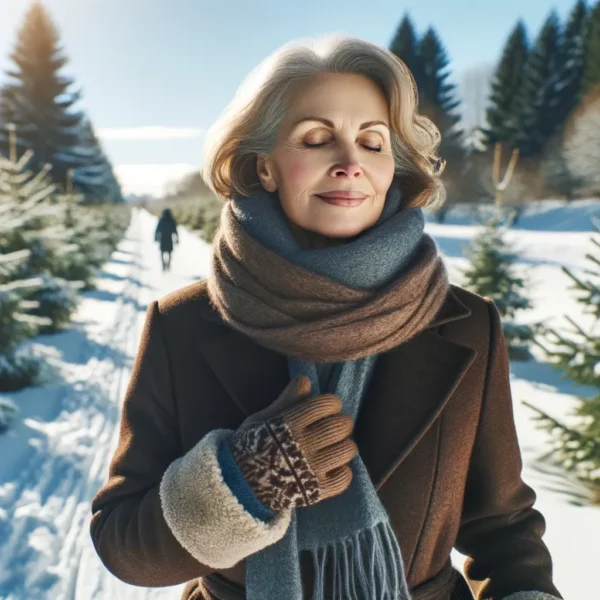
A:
265, 173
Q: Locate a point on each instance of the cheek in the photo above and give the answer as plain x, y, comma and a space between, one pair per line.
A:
383, 177
298, 169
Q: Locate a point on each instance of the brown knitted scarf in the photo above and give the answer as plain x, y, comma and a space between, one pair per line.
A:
306, 315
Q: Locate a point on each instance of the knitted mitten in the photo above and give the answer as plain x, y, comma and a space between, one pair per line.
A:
296, 452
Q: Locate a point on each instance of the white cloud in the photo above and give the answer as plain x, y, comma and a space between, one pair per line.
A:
154, 132
150, 178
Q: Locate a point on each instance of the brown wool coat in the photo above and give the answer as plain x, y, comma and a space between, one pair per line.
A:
436, 434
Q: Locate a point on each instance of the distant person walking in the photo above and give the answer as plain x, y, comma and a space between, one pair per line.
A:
165, 230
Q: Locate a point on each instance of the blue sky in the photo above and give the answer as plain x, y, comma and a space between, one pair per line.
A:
156, 73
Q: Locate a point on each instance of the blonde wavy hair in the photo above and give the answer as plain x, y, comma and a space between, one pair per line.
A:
250, 124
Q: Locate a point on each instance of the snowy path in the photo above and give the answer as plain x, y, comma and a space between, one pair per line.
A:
57, 455
70, 457
61, 450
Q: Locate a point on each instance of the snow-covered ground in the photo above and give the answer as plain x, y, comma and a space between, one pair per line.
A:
56, 455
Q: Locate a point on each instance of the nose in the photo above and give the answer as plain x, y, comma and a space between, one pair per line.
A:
348, 166
350, 170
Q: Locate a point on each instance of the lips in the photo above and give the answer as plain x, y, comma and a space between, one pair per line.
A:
343, 194
342, 198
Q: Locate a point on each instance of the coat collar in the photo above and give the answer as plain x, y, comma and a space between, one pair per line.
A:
411, 384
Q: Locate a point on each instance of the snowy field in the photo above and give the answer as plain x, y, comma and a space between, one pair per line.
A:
56, 455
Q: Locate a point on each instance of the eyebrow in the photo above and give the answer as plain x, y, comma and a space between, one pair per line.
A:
330, 123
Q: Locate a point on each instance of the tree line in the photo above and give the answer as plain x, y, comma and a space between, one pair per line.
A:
61, 208
543, 100
38, 98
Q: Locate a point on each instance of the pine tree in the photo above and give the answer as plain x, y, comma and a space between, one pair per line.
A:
554, 166
18, 367
405, 46
427, 59
436, 96
591, 74
30, 221
502, 114
571, 62
438, 101
78, 226
537, 103
94, 176
491, 274
93, 232
37, 97
577, 355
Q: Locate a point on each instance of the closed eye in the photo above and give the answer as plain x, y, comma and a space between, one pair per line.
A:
369, 148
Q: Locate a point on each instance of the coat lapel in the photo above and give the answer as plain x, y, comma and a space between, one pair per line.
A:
410, 387
411, 384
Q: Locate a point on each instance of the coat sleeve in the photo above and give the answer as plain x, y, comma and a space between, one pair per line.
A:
128, 528
164, 517
500, 532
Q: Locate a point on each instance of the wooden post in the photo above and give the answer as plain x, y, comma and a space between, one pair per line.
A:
500, 186
69, 182
12, 142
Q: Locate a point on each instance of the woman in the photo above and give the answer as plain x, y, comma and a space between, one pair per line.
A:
325, 416
166, 229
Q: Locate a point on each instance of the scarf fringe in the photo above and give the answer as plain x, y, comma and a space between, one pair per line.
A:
367, 566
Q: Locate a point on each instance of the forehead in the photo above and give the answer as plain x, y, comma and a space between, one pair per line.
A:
332, 96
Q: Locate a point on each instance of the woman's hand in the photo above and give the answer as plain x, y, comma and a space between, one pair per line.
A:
296, 451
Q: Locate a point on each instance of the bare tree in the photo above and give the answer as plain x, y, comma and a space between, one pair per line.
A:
501, 185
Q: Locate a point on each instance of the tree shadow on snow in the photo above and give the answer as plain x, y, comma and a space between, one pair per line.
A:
118, 261
75, 347
543, 375
112, 276
66, 474
105, 296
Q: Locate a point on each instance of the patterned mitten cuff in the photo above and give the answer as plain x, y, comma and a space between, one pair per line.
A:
274, 465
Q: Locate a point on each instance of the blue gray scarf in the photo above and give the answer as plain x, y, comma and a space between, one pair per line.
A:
354, 551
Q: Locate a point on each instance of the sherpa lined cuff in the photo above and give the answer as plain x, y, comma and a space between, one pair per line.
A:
235, 480
205, 516
531, 596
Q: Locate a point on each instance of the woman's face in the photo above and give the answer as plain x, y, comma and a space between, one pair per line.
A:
332, 164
